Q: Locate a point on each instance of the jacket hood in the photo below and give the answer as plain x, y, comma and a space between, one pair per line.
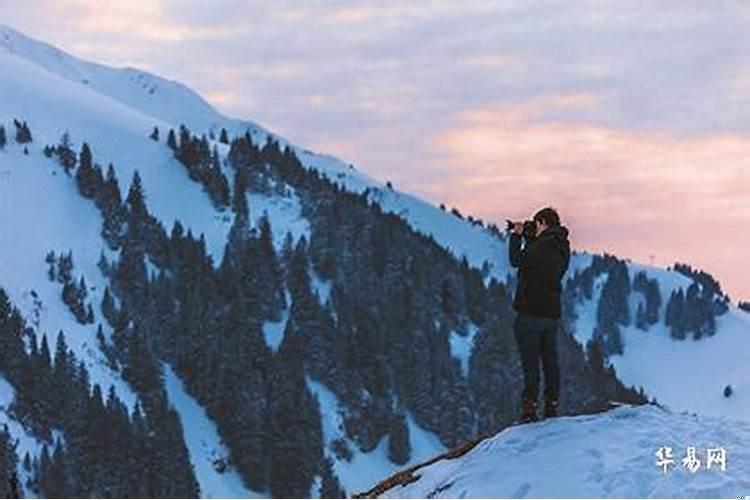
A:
558, 232
558, 236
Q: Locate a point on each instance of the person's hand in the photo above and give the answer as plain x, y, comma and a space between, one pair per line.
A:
517, 227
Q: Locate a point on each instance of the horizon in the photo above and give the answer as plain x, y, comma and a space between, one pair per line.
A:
525, 115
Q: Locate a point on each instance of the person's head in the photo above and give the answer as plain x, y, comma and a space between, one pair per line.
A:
544, 218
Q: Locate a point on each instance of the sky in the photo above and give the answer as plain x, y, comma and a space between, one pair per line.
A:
631, 118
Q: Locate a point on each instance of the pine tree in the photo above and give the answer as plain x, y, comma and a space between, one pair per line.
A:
676, 315
51, 261
89, 183
239, 198
295, 428
399, 450
171, 140
109, 311
131, 268
65, 268
135, 201
273, 278
3, 139
189, 152
58, 480
217, 184
110, 204
330, 486
82, 291
61, 371
23, 133
26, 133
640, 317
71, 296
103, 264
155, 134
8, 465
84, 157
65, 154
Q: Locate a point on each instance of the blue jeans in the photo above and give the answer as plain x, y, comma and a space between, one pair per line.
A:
537, 341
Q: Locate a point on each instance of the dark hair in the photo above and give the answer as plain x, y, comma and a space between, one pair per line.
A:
548, 216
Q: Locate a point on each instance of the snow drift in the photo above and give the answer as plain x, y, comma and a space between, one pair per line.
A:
605, 455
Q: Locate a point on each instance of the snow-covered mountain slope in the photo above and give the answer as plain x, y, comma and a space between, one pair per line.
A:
683, 374
692, 375
162, 99
606, 455
41, 211
113, 97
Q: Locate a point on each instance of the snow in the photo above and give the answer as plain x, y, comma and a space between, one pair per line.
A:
273, 331
668, 281
63, 221
284, 214
456, 235
166, 100
691, 374
115, 108
607, 455
116, 133
685, 375
321, 286
114, 114
204, 444
461, 346
586, 311
25, 442
316, 486
366, 469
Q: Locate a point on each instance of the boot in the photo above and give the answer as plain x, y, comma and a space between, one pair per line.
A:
550, 407
528, 410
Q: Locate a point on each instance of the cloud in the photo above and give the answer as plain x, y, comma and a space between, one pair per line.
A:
637, 194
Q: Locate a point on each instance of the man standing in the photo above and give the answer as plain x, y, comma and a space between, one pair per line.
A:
541, 265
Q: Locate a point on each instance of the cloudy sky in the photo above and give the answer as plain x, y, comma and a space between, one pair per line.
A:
632, 118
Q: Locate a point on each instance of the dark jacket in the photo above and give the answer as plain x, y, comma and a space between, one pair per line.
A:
541, 266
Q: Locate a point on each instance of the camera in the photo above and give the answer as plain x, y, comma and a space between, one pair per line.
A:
529, 228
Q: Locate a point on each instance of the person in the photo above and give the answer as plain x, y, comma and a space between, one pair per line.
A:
541, 264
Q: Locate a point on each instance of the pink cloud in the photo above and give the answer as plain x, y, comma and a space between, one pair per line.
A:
638, 194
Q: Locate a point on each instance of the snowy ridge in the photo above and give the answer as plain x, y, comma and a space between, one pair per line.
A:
162, 99
606, 455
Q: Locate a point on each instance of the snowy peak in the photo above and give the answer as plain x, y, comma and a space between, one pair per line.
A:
165, 100
620, 453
